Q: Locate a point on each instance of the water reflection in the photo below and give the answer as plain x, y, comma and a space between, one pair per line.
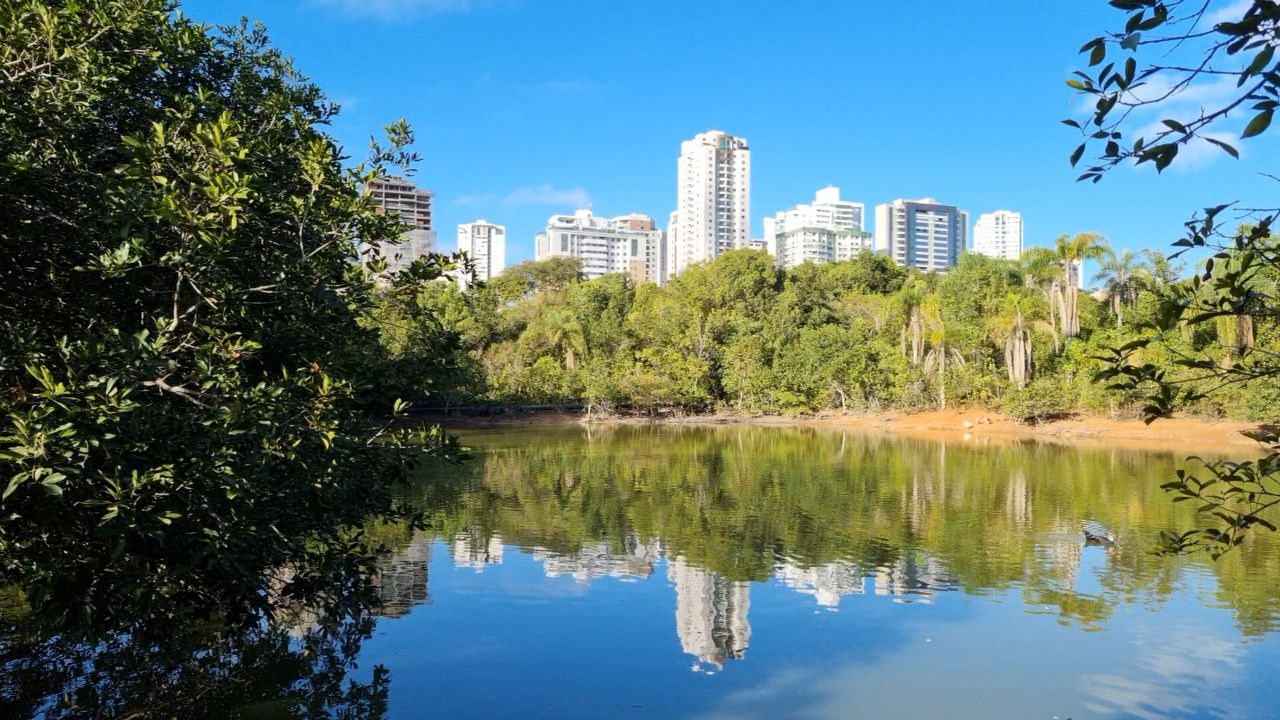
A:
402, 578
834, 514
730, 522
728, 539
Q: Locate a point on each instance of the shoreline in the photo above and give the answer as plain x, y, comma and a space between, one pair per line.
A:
1187, 434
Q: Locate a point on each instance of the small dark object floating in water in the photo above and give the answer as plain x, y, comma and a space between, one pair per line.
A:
1096, 534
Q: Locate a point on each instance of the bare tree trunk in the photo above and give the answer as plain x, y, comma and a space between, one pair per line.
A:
1244, 332
942, 378
917, 336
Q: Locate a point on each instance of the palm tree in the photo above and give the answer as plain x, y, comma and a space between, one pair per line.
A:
1010, 329
1070, 253
913, 332
940, 347
1122, 277
1041, 272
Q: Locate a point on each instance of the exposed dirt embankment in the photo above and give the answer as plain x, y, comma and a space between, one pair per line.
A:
1181, 434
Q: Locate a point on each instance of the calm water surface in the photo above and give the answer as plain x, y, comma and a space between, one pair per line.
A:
763, 572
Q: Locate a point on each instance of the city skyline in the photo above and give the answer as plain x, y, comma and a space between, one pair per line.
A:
552, 127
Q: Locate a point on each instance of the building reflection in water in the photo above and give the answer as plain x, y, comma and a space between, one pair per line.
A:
402, 578
914, 580
635, 559
827, 582
472, 551
711, 615
711, 610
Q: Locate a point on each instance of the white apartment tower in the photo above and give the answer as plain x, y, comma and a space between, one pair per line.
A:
486, 245
826, 230
713, 199
998, 234
628, 244
398, 196
923, 234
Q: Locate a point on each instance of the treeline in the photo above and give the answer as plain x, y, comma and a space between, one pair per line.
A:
738, 334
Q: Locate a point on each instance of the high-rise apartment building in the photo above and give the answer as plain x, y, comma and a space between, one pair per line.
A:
486, 245
628, 244
998, 234
923, 234
398, 196
713, 199
826, 230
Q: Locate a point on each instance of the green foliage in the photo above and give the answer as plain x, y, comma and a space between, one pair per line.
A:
189, 420
1209, 340
737, 334
1045, 398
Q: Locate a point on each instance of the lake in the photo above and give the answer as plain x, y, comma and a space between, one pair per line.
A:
730, 572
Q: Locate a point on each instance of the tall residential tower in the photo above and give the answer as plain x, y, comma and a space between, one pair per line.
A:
713, 199
486, 245
923, 234
998, 234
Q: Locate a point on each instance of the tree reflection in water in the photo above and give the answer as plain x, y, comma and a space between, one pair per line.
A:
270, 670
826, 514
298, 663
830, 513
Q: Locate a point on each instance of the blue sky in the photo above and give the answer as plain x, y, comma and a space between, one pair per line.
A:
528, 108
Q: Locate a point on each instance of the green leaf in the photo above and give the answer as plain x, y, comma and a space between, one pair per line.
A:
1258, 124
1227, 148
1098, 54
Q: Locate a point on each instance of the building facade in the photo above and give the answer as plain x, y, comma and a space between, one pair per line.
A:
713, 199
629, 244
826, 230
397, 196
998, 234
486, 245
923, 234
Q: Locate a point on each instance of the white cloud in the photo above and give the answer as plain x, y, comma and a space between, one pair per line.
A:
389, 9
1197, 153
1226, 13
547, 195
1185, 105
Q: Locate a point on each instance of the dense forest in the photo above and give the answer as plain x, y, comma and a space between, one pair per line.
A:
739, 335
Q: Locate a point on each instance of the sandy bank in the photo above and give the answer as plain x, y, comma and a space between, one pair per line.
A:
1182, 434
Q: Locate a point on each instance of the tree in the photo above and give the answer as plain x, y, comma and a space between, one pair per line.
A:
1040, 271
913, 340
941, 348
530, 276
1070, 252
1122, 277
1237, 281
558, 330
1010, 330
185, 426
